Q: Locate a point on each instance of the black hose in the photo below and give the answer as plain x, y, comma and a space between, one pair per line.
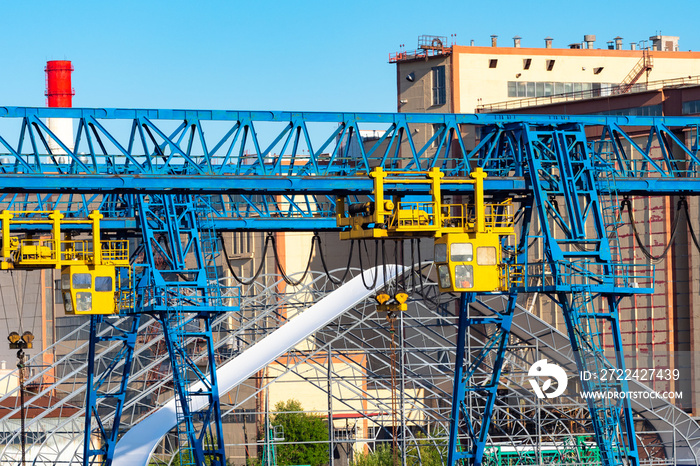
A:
230, 269
362, 268
690, 225
645, 251
333, 280
420, 271
287, 280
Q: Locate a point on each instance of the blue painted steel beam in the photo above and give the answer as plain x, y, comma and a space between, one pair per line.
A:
206, 143
100, 440
339, 117
48, 183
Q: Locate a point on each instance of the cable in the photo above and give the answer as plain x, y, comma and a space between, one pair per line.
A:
420, 272
384, 265
638, 238
287, 280
333, 280
230, 269
413, 262
399, 251
690, 225
136, 252
4, 305
376, 262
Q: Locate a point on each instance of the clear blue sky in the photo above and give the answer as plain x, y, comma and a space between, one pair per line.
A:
272, 55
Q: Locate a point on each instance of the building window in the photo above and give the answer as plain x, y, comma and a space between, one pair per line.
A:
550, 65
493, 63
439, 90
526, 63
531, 88
691, 107
539, 89
546, 89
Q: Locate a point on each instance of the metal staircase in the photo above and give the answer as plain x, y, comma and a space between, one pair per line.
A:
186, 299
588, 283
644, 65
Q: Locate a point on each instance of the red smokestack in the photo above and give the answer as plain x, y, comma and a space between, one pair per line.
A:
58, 83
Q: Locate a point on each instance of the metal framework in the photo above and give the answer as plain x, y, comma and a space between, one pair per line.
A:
428, 347
178, 177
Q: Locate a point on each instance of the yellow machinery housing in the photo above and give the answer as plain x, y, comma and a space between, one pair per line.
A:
91, 270
468, 237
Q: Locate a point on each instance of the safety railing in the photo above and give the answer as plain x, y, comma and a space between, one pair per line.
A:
643, 168
499, 215
584, 274
413, 216
44, 251
496, 215
186, 298
115, 251
125, 295
603, 91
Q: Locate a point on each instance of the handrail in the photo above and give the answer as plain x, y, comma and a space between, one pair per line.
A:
604, 91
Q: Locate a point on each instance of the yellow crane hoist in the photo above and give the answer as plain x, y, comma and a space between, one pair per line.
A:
90, 282
468, 237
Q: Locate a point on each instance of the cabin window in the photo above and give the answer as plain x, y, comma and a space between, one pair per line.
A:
444, 274
103, 283
82, 281
464, 276
67, 303
461, 252
65, 281
83, 302
486, 255
440, 253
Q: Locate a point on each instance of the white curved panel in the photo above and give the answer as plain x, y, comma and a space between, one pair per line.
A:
136, 446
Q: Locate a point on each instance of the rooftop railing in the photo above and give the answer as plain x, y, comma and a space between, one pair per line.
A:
603, 91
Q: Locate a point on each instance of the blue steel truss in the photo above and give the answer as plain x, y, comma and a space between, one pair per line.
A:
581, 266
101, 441
179, 176
176, 280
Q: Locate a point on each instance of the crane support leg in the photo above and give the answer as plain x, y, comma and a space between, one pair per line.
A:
469, 381
100, 441
181, 290
580, 272
611, 417
199, 428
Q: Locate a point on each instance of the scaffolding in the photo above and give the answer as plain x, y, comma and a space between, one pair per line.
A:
426, 365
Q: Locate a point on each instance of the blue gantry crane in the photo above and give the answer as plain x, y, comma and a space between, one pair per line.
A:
181, 177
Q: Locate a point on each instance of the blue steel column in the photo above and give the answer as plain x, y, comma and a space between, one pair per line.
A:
461, 387
91, 394
180, 288
578, 255
205, 446
107, 435
458, 387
